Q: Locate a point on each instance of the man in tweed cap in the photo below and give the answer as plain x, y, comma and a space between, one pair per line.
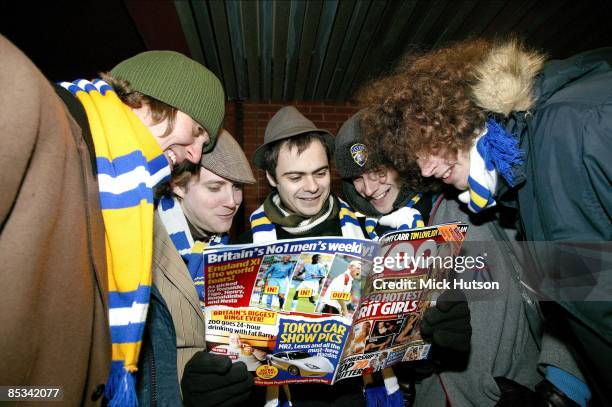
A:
195, 211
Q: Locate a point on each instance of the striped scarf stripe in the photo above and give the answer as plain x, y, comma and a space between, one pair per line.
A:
130, 163
264, 230
494, 154
415, 220
175, 222
482, 181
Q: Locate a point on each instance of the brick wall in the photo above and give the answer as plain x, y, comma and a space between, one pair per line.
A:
247, 121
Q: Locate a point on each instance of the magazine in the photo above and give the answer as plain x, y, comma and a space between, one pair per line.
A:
318, 310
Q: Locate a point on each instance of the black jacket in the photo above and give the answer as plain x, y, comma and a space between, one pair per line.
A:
566, 196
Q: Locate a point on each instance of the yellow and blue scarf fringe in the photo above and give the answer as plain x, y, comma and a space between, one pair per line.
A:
130, 163
495, 152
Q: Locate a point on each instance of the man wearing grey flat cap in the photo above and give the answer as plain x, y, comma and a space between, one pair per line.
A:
195, 211
295, 156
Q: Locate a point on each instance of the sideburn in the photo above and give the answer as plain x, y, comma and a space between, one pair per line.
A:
161, 111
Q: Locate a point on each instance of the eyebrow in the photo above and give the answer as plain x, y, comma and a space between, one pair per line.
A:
325, 167
209, 183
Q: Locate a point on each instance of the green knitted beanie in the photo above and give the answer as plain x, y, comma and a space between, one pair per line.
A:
180, 82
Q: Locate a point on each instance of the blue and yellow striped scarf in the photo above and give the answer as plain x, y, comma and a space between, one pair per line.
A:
410, 218
130, 163
493, 154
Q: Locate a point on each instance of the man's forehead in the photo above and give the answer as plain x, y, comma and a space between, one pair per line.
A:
290, 159
288, 148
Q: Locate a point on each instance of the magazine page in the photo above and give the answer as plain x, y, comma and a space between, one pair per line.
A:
407, 276
285, 309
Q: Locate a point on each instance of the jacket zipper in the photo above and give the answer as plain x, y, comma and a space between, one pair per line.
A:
432, 215
153, 378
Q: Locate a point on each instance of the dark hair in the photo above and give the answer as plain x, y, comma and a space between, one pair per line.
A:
134, 99
315, 258
301, 142
181, 174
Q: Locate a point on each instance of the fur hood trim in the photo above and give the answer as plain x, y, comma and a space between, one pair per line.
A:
505, 78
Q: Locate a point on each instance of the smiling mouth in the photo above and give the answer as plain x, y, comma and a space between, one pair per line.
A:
448, 173
311, 199
379, 196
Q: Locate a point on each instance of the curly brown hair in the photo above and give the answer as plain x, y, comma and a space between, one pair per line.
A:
425, 106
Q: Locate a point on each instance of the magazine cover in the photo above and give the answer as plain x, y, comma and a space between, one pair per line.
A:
404, 281
324, 309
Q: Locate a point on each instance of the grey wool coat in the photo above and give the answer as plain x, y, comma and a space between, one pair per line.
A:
508, 338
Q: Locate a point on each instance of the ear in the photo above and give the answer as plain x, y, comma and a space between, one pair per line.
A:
178, 191
271, 180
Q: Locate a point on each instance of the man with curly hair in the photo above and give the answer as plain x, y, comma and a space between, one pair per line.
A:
503, 127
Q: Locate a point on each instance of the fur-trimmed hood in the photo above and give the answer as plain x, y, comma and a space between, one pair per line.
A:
505, 78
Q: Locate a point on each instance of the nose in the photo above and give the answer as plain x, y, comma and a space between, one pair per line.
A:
194, 150
233, 198
427, 167
369, 186
310, 184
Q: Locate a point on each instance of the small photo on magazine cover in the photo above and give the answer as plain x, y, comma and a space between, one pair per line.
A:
416, 352
272, 281
241, 350
302, 363
409, 330
308, 278
342, 288
395, 356
358, 336
382, 334
378, 362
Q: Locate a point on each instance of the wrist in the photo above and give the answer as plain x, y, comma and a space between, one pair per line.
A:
569, 384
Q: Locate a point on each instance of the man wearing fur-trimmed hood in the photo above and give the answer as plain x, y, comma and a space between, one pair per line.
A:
507, 128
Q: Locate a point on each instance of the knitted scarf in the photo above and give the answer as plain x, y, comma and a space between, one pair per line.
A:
494, 153
130, 163
406, 217
173, 218
264, 230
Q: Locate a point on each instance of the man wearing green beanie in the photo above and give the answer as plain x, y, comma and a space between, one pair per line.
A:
180, 101
79, 162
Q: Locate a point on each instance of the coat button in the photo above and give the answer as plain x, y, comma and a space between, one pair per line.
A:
98, 392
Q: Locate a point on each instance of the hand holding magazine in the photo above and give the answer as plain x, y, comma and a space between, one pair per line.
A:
318, 310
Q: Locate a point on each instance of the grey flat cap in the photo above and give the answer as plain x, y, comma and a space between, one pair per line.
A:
288, 122
227, 160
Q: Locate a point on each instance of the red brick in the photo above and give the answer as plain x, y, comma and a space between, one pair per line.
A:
337, 117
347, 109
322, 109
314, 116
266, 108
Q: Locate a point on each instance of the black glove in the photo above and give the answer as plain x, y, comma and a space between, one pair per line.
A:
546, 395
213, 380
447, 325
